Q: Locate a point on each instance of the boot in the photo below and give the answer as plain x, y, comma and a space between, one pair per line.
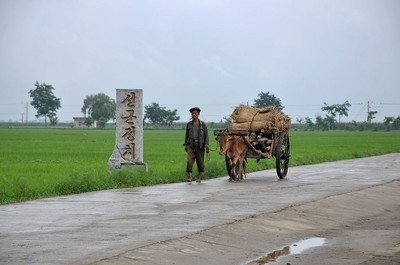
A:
189, 177
198, 180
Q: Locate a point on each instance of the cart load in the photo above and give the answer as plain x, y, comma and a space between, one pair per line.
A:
255, 133
256, 119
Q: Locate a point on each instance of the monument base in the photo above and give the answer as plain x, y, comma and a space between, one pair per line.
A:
117, 161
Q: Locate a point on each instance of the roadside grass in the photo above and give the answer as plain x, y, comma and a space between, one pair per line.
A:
38, 163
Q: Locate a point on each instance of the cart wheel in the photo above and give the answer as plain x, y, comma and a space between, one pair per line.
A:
282, 155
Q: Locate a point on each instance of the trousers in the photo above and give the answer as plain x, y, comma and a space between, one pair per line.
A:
195, 155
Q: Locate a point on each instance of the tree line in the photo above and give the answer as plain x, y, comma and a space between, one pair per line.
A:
101, 108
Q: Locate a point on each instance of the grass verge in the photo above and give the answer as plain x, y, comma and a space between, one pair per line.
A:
37, 163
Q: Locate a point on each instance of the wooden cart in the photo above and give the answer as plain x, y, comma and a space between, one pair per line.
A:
261, 145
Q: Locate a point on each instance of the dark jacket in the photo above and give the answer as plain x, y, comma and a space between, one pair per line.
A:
203, 135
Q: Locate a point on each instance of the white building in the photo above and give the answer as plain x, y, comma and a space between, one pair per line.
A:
79, 122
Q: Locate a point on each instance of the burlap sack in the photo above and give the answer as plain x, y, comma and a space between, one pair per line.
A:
255, 119
245, 113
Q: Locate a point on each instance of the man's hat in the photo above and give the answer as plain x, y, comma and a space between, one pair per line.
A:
195, 108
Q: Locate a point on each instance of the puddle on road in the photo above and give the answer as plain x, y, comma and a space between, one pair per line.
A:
303, 245
295, 248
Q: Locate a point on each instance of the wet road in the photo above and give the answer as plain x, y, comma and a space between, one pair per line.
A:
90, 227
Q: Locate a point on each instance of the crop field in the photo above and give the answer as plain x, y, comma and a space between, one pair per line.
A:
37, 163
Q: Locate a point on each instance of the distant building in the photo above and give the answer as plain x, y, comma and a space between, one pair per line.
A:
79, 122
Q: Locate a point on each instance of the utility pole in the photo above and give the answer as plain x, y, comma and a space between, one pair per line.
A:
368, 119
26, 116
370, 113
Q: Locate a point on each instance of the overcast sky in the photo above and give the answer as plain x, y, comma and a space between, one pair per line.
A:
215, 54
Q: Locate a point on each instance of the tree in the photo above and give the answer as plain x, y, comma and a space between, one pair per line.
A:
299, 120
53, 120
319, 121
337, 109
99, 107
171, 117
371, 116
226, 120
88, 122
387, 121
267, 99
44, 101
396, 123
159, 116
326, 123
309, 122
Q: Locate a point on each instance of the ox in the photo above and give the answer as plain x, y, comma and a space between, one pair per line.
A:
234, 148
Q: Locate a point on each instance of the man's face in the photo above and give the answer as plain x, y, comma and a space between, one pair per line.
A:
195, 114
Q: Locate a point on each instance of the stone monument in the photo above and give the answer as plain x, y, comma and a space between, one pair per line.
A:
128, 148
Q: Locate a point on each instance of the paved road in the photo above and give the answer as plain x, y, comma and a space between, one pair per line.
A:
97, 227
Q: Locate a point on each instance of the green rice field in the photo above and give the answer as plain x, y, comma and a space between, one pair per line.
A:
38, 163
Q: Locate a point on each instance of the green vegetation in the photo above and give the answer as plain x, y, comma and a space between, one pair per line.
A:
37, 163
45, 103
100, 108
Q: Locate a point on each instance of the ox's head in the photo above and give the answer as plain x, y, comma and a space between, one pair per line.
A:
225, 142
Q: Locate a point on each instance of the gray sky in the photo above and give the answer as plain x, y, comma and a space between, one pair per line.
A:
215, 54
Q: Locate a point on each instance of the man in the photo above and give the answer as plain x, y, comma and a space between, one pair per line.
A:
196, 143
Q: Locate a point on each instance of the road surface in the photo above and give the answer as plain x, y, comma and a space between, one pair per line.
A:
345, 212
